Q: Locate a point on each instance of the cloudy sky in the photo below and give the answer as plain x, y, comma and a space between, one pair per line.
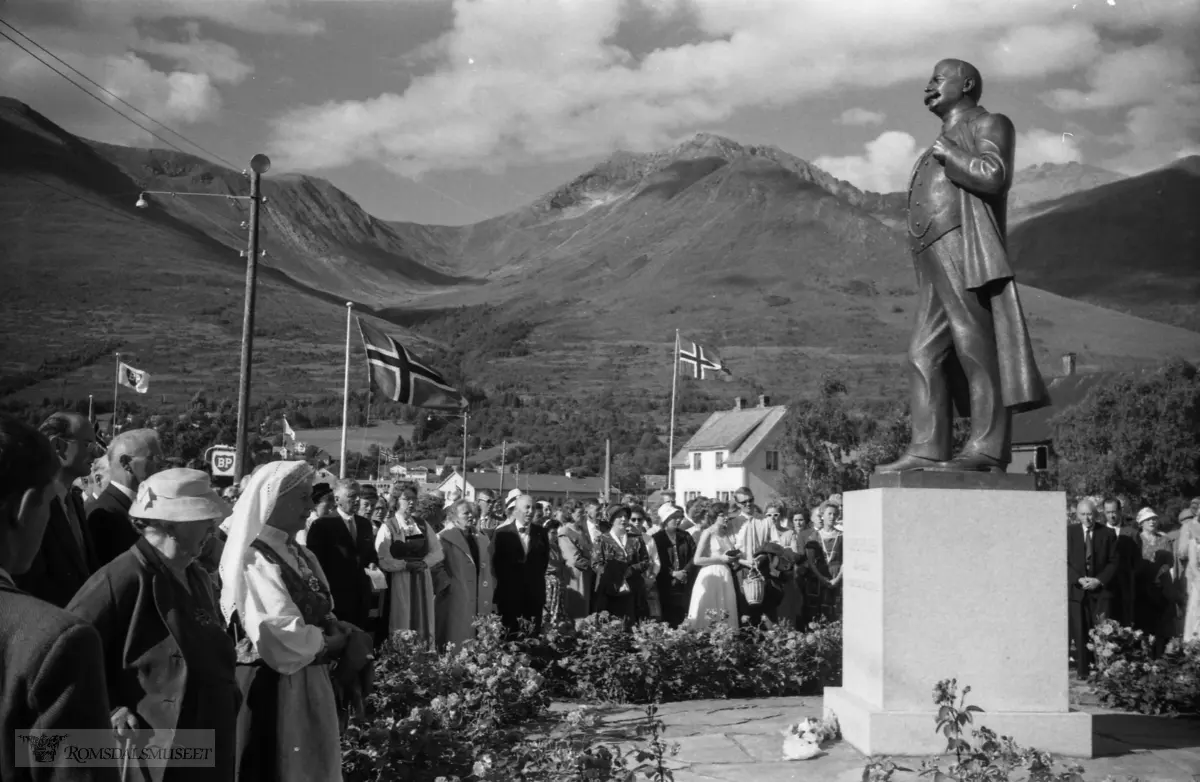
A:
450, 111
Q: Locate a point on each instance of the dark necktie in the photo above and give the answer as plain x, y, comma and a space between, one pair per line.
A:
1087, 542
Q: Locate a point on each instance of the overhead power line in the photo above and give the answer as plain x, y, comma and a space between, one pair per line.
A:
111, 94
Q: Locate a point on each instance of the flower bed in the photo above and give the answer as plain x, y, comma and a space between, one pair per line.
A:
598, 661
482, 709
1127, 676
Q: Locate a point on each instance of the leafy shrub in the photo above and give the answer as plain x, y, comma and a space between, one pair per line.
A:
991, 758
598, 660
1127, 675
430, 712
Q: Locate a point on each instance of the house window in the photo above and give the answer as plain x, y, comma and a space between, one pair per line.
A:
720, 457
695, 461
772, 460
723, 496
1041, 459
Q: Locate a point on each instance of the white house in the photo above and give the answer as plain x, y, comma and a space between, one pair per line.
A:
733, 448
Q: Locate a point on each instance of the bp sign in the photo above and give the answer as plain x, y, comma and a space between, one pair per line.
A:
222, 461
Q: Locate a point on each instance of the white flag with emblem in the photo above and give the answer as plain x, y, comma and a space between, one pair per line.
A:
133, 378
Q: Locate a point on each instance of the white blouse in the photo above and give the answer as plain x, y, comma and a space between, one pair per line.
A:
396, 525
271, 620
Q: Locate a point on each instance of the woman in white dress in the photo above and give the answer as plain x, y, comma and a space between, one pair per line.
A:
407, 549
1191, 617
714, 589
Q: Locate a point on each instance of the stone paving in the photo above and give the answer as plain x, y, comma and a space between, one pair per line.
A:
731, 740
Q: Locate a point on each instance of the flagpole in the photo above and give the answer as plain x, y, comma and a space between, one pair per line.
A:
503, 450
346, 388
671, 435
112, 426
465, 419
91, 418
607, 474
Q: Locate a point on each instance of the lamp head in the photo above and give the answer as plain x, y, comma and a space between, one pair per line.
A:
260, 164
142, 203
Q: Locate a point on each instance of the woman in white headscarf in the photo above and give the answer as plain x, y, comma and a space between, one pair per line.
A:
276, 599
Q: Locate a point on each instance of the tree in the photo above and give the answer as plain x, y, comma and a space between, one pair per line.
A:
625, 474
820, 441
1137, 434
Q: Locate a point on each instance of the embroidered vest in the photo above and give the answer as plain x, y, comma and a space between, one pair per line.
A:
309, 595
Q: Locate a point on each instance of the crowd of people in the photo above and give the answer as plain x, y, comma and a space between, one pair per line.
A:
161, 605
1139, 570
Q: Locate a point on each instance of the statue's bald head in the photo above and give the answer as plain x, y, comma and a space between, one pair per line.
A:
967, 72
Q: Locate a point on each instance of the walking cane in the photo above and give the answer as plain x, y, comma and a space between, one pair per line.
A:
125, 760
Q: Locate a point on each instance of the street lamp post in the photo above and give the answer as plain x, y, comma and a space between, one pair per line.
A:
259, 165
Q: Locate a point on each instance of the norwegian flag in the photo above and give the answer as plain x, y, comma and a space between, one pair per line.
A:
699, 361
404, 378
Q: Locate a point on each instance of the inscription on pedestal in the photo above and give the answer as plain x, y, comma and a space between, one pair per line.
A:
864, 565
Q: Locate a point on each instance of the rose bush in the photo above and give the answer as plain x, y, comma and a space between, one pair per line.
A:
1127, 675
480, 711
599, 661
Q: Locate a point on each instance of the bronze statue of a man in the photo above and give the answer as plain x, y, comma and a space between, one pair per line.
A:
970, 349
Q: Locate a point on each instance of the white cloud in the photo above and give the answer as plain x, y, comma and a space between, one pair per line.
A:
884, 167
541, 81
1125, 77
220, 61
1038, 50
859, 116
1037, 146
174, 97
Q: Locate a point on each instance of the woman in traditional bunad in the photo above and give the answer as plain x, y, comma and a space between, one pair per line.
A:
277, 602
407, 549
714, 590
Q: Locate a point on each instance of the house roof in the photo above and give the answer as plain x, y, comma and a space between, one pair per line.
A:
738, 431
534, 484
1066, 391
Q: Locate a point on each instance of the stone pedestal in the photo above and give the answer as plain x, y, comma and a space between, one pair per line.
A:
955, 583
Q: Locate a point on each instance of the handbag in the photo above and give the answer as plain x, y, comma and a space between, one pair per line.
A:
754, 587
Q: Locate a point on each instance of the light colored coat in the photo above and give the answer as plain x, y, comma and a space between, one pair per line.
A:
460, 593
577, 577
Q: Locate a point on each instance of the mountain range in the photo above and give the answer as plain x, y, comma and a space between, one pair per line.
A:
786, 269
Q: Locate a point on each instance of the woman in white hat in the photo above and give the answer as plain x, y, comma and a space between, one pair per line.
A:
169, 664
1154, 604
277, 601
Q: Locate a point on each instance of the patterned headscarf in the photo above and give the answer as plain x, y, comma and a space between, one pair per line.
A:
266, 485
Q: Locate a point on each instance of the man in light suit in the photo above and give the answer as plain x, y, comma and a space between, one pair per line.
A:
51, 662
1092, 565
67, 556
132, 458
463, 582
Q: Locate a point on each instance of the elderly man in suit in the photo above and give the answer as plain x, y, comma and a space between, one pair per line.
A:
132, 458
51, 662
970, 348
67, 557
520, 556
345, 546
1092, 565
463, 582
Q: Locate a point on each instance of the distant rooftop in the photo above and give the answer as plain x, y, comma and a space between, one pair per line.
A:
738, 431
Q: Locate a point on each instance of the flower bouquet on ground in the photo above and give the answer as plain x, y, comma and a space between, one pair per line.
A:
802, 740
